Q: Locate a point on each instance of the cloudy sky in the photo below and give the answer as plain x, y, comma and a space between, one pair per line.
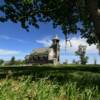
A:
15, 41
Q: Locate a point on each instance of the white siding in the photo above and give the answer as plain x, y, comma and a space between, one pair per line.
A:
51, 54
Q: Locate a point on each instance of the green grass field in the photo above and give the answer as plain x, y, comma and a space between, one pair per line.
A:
50, 83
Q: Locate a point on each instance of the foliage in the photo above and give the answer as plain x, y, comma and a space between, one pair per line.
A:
20, 62
12, 61
1, 61
73, 62
66, 62
27, 89
47, 83
95, 61
81, 52
98, 47
64, 13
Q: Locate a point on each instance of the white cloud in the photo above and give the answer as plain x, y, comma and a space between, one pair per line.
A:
75, 43
46, 41
5, 37
4, 52
12, 38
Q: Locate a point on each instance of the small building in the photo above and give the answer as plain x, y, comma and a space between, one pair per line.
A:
49, 55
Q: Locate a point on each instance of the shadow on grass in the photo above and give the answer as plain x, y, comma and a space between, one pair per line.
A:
83, 76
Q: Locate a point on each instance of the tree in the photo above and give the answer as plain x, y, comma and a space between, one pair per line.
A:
1, 61
73, 62
63, 13
12, 61
95, 62
66, 62
98, 47
18, 62
81, 52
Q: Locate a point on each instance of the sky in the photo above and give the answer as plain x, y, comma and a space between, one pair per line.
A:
15, 41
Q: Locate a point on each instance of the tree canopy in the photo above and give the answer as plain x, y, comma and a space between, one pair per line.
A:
82, 53
64, 13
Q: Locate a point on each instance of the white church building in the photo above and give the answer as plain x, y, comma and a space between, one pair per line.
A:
45, 55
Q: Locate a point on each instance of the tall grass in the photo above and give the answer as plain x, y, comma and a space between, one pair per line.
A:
46, 83
25, 88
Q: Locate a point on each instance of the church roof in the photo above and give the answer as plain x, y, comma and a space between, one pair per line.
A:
41, 51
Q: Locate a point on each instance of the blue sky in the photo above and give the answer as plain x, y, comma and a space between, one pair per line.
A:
15, 41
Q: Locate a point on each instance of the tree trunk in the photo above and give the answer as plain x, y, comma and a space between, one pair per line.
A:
95, 16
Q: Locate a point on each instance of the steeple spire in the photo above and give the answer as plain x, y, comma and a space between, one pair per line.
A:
56, 37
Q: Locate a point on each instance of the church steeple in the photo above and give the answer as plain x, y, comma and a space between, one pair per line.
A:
56, 48
55, 39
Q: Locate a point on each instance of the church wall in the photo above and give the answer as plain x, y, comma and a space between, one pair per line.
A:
51, 54
39, 59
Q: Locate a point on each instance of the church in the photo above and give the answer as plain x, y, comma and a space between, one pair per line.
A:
50, 55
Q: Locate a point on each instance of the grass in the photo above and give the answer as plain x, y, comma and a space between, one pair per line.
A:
44, 70
47, 83
24, 88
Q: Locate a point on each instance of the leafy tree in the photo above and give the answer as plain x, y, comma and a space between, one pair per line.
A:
81, 52
73, 62
12, 61
95, 61
18, 62
64, 13
66, 62
1, 61
98, 47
